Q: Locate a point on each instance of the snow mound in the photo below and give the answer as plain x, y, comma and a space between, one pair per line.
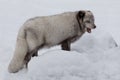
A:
98, 40
64, 65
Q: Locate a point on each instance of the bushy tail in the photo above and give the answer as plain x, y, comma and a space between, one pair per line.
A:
21, 49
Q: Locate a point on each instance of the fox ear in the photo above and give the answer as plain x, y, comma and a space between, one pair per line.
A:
81, 15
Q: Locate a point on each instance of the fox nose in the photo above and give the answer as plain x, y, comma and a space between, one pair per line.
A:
94, 26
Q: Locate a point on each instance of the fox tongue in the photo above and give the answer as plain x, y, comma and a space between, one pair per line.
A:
88, 30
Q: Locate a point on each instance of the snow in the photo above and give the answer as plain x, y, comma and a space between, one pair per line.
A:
95, 56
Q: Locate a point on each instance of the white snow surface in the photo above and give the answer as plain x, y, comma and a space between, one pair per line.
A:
95, 56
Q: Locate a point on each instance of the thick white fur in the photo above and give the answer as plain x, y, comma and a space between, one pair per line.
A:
49, 30
17, 61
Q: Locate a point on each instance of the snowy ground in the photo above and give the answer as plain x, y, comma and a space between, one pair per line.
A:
95, 56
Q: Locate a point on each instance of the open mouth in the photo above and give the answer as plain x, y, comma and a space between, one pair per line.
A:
88, 30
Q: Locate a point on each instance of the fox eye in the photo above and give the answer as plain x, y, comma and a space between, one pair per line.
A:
87, 21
